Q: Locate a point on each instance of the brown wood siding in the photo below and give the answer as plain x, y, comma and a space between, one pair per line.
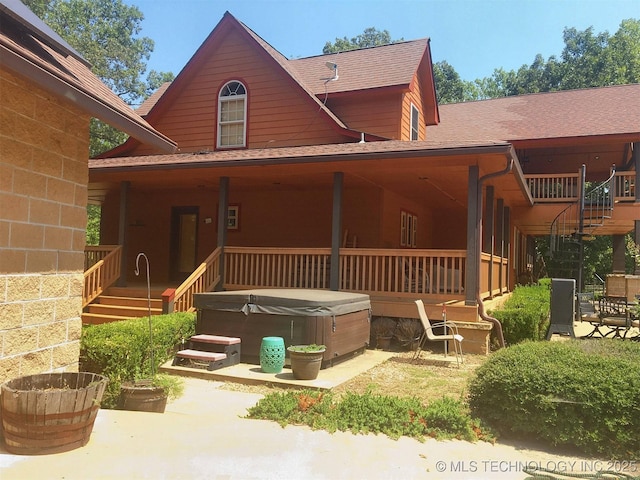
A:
361, 209
392, 205
413, 97
278, 112
375, 114
272, 217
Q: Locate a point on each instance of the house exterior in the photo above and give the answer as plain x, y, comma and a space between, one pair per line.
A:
341, 171
47, 97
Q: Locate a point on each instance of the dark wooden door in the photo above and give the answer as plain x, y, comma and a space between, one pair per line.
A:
184, 242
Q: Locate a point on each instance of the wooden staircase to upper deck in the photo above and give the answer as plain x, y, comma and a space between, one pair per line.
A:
122, 303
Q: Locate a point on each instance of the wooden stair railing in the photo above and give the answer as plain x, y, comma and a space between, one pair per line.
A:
102, 273
203, 279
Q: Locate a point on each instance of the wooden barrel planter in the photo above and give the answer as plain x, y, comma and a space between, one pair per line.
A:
51, 412
142, 396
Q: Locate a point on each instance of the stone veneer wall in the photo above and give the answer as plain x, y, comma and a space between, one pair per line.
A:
43, 196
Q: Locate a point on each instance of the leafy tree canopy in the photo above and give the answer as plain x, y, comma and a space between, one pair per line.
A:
587, 60
371, 37
107, 34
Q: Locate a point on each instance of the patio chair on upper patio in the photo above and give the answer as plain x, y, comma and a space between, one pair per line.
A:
416, 280
428, 333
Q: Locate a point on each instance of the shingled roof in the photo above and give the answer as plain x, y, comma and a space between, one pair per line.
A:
31, 49
375, 67
309, 153
358, 69
613, 110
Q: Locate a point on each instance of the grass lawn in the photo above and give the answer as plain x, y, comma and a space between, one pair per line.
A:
426, 379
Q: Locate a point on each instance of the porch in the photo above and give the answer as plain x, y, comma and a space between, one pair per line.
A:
392, 278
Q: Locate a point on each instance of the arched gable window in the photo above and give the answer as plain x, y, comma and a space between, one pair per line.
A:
232, 115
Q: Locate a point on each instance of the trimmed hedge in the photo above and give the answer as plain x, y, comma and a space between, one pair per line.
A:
573, 393
121, 350
525, 315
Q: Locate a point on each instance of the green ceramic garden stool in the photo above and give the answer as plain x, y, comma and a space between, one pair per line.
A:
272, 354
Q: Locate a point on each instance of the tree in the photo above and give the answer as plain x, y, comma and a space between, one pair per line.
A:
371, 37
106, 34
450, 88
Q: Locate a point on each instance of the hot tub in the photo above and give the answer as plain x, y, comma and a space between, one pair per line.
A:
339, 320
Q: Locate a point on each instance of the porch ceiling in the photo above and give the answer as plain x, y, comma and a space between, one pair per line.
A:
440, 181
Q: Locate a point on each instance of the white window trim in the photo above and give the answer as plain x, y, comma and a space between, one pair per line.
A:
408, 229
222, 99
415, 113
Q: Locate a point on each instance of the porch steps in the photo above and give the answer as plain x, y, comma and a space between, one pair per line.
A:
112, 308
209, 351
156, 303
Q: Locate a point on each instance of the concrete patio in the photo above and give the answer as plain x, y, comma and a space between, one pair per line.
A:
203, 435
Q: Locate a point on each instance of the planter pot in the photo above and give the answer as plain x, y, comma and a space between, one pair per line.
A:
384, 342
51, 412
306, 365
142, 396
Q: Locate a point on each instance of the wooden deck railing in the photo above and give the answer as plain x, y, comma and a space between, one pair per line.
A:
560, 187
203, 279
249, 267
94, 253
625, 186
493, 275
435, 274
102, 269
402, 271
564, 187
374, 271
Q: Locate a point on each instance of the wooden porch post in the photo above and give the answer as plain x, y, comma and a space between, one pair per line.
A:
223, 219
122, 232
636, 238
636, 162
500, 241
336, 225
473, 238
488, 233
507, 246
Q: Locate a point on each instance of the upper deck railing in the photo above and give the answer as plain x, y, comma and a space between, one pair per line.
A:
564, 187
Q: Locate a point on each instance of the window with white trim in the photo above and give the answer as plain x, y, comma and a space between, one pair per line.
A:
408, 229
232, 115
415, 122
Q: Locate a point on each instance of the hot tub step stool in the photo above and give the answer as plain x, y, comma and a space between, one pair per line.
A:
210, 351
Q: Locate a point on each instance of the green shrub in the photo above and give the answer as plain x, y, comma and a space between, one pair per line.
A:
574, 393
371, 413
121, 350
525, 315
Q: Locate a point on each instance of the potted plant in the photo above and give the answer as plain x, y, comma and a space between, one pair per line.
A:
306, 360
382, 329
148, 393
408, 332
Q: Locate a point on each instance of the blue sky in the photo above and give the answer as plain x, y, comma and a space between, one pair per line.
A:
474, 36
